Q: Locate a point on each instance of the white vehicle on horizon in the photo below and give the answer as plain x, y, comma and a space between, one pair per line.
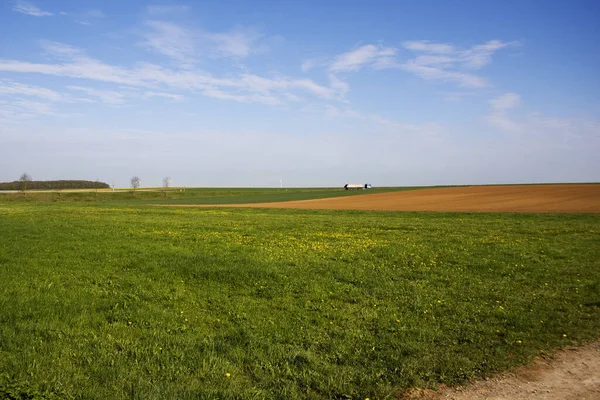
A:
357, 186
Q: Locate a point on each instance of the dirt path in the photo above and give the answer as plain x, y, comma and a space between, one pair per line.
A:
570, 374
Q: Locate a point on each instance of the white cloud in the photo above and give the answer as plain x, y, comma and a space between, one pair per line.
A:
312, 87
445, 62
28, 8
481, 55
61, 50
186, 45
437, 73
34, 107
543, 129
435, 61
369, 55
341, 87
172, 96
19, 109
14, 88
106, 96
83, 17
373, 56
74, 63
171, 40
242, 98
505, 102
308, 65
427, 46
503, 122
239, 44
505, 116
430, 130
499, 116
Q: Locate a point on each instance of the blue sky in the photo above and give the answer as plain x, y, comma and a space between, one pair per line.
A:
317, 93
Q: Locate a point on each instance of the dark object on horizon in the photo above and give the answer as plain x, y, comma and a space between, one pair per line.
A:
54, 185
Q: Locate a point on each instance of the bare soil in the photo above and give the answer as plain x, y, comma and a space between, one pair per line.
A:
564, 198
570, 374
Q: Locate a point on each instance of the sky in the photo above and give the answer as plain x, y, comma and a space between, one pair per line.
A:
304, 93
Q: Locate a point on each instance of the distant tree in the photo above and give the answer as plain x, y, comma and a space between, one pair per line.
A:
24, 179
135, 182
51, 185
166, 182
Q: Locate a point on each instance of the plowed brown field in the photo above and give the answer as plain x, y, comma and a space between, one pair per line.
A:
564, 198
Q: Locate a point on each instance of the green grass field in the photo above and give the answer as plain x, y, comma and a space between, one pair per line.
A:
192, 195
112, 300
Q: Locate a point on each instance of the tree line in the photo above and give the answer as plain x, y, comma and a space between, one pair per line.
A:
26, 183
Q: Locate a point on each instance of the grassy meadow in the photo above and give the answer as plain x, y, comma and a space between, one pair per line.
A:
190, 195
109, 300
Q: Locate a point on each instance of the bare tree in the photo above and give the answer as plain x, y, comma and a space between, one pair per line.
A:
166, 182
24, 179
135, 182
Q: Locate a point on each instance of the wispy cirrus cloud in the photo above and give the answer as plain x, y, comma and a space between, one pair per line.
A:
375, 56
187, 45
499, 112
370, 55
84, 17
28, 8
428, 47
446, 62
170, 40
19, 109
106, 96
330, 111
505, 102
367, 56
560, 132
171, 96
437, 73
19, 104
307, 65
14, 88
239, 43
29, 101
434, 62
75, 63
